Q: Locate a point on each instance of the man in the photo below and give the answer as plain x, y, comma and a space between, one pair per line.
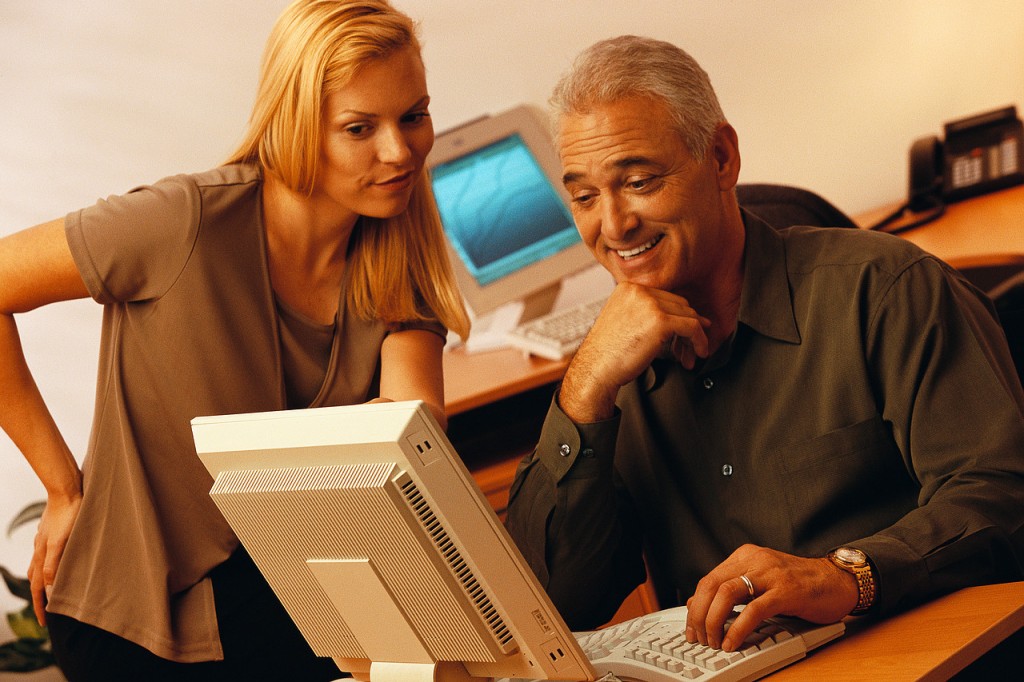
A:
812, 421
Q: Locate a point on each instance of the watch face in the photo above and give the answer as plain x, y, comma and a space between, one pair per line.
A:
850, 555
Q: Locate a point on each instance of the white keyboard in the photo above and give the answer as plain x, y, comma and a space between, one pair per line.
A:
557, 334
653, 648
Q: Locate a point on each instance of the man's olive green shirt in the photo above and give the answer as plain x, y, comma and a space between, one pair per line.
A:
867, 398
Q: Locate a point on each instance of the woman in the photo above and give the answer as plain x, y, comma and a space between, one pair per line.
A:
309, 270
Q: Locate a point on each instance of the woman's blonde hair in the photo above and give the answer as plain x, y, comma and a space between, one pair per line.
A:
397, 265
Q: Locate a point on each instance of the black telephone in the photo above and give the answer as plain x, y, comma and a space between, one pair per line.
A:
980, 153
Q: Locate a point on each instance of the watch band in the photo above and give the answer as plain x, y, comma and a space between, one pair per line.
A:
854, 561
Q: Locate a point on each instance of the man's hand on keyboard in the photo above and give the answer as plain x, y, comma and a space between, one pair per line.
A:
635, 324
782, 584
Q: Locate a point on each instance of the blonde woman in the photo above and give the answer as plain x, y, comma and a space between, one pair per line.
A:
308, 270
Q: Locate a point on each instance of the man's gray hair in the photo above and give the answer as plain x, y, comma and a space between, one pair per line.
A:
630, 66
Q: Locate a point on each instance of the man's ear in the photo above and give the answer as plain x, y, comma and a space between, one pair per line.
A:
725, 151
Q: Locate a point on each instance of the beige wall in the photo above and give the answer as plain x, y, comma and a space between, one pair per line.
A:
99, 95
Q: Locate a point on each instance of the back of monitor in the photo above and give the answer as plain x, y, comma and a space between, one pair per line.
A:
379, 544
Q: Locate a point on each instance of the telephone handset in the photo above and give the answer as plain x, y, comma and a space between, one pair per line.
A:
980, 153
925, 173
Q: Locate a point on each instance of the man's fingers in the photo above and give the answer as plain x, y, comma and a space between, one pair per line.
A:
730, 594
747, 619
683, 352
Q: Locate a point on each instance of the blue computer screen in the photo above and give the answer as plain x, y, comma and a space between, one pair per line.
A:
499, 210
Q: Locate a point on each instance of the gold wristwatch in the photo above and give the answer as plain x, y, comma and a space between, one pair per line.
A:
854, 561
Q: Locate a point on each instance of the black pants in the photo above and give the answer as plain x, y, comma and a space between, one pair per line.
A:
259, 639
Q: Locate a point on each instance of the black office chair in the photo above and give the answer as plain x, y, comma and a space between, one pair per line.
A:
784, 206
1009, 301
1001, 276
988, 271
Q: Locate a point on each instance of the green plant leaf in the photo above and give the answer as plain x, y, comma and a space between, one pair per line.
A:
32, 512
31, 651
24, 656
25, 626
19, 587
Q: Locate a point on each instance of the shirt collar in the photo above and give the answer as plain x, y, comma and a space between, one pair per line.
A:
766, 305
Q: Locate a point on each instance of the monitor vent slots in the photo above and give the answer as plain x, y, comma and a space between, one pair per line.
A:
460, 569
305, 521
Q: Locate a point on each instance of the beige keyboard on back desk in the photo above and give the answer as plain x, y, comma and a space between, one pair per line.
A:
653, 648
557, 334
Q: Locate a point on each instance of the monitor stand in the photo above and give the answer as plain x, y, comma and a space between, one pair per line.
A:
489, 331
540, 302
442, 671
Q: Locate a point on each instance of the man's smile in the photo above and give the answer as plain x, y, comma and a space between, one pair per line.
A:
631, 253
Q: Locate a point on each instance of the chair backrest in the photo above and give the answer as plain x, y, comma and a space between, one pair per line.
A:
784, 206
1001, 276
1008, 297
987, 271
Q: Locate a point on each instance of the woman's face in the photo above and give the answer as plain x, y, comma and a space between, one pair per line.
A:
376, 137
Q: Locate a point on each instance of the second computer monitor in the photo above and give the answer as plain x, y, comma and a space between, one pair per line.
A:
498, 186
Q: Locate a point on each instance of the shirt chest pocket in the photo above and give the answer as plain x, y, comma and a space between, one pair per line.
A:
840, 485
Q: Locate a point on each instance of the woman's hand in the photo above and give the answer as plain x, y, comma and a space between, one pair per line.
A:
51, 537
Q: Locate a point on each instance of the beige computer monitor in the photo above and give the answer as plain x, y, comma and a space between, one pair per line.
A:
379, 544
498, 184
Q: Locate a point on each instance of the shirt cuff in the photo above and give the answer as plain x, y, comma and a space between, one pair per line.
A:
571, 450
896, 573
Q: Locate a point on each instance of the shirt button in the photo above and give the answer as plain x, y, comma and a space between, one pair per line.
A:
708, 383
727, 470
564, 450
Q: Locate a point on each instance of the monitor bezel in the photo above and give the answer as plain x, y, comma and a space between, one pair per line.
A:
539, 277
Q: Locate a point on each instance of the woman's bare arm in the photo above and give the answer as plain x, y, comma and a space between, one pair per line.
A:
36, 268
411, 369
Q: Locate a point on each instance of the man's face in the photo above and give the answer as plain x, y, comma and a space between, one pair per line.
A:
650, 213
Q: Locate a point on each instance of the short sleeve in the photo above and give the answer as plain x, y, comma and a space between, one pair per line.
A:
428, 321
132, 247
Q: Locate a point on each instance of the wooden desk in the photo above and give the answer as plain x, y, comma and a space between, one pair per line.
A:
932, 642
473, 380
981, 226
